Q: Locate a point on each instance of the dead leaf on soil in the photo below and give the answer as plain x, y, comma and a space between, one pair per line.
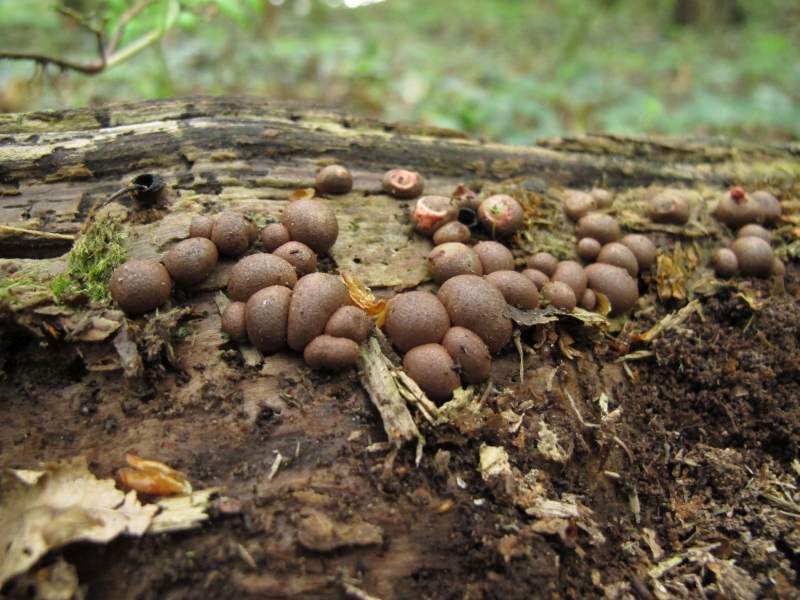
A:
153, 477
317, 531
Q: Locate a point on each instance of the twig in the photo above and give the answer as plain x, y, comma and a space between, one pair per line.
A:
37, 233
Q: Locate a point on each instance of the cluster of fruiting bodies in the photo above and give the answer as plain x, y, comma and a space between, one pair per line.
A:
447, 338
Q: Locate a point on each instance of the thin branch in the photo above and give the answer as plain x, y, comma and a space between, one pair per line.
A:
126, 18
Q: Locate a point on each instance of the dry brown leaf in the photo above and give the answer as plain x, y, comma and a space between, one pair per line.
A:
363, 297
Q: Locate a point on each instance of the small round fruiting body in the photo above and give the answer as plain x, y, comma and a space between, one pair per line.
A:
334, 179
754, 255
415, 318
578, 204
191, 261
266, 317
615, 284
274, 236
316, 297
778, 268
311, 222
494, 256
602, 227
518, 290
402, 183
537, 277
349, 322
139, 286
544, 262
469, 353
231, 233
201, 226
588, 248
432, 212
257, 271
452, 232
602, 197
643, 249
589, 300
451, 259
573, 274
501, 215
725, 263
559, 295
300, 256
754, 230
669, 207
329, 352
233, 321
619, 255
769, 205
736, 208
434, 371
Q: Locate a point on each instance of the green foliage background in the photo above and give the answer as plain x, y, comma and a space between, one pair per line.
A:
508, 70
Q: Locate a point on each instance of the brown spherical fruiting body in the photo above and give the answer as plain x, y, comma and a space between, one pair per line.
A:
349, 322
619, 255
311, 222
560, 295
266, 316
402, 183
451, 259
588, 300
602, 197
725, 263
190, 261
778, 268
588, 248
769, 205
615, 284
544, 262
233, 321
258, 271
452, 232
500, 215
300, 256
201, 226
578, 204
754, 230
329, 352
469, 353
736, 208
669, 207
316, 297
476, 304
643, 249
537, 277
415, 318
231, 233
494, 256
274, 236
334, 179
432, 212
602, 227
754, 256
571, 273
517, 289
139, 286
433, 369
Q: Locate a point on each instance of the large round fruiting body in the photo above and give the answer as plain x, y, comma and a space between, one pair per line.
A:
311, 222
478, 305
432, 212
469, 353
589, 300
201, 226
274, 236
643, 249
258, 271
349, 322
329, 352
191, 261
494, 256
544, 262
537, 277
559, 295
736, 208
233, 321
300, 256
451, 259
434, 371
231, 233
266, 317
571, 273
615, 284
402, 183
334, 179
139, 286
669, 207
415, 318
588, 248
770, 207
725, 263
754, 230
619, 255
578, 204
602, 227
602, 197
518, 290
754, 256
452, 232
316, 297
501, 215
